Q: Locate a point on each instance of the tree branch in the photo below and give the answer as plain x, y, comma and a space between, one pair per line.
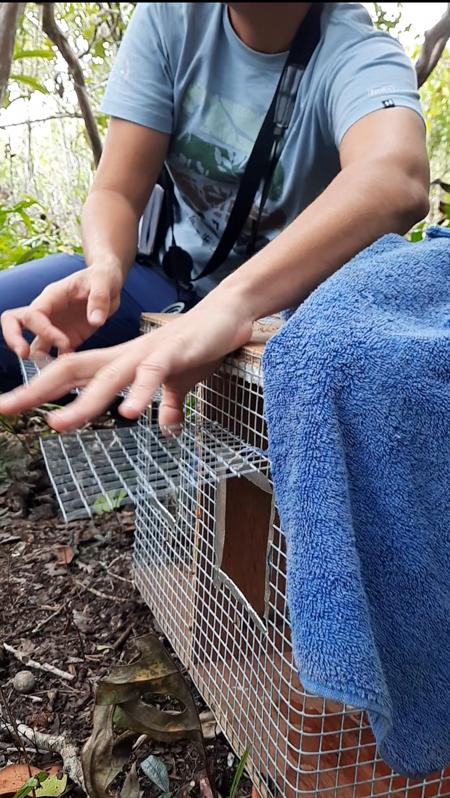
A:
42, 119
435, 40
58, 38
10, 14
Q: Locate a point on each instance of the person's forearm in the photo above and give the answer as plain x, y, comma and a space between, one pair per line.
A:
131, 162
360, 205
109, 228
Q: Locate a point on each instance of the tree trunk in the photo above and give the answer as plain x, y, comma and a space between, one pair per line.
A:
435, 40
10, 14
58, 38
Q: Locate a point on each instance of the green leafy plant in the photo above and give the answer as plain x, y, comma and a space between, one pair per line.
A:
418, 232
20, 53
238, 775
28, 80
111, 501
43, 786
155, 770
388, 17
26, 233
190, 405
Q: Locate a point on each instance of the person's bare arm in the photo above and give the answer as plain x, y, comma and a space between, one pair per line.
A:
131, 162
383, 187
68, 311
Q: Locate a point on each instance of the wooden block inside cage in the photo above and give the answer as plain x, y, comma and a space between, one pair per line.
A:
244, 510
237, 631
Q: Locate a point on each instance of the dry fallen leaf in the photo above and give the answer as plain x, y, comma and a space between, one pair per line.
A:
12, 777
64, 555
121, 713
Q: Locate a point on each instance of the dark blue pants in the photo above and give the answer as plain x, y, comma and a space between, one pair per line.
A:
145, 290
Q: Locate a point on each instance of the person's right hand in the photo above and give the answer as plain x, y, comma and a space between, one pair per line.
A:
65, 314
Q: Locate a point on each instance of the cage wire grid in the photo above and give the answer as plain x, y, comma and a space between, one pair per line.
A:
91, 471
235, 644
192, 494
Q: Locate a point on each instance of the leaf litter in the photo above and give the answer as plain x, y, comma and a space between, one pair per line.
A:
49, 614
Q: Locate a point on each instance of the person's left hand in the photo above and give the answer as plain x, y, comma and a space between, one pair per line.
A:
176, 357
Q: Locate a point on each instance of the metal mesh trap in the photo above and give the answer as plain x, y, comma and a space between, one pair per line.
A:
210, 560
96, 471
92, 471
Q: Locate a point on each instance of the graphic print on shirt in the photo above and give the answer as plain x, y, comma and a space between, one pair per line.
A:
206, 169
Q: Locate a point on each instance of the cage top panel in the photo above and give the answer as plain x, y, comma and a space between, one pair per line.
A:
263, 329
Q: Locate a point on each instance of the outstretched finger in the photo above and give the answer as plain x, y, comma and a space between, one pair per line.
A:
150, 375
54, 381
171, 409
12, 329
104, 384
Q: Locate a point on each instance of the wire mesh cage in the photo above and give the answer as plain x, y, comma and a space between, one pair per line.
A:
91, 471
210, 560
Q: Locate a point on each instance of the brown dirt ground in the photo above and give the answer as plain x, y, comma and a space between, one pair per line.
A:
48, 609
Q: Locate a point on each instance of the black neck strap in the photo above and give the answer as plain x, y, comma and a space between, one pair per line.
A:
265, 153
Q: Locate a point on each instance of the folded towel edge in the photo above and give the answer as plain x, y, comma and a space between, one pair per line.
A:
380, 720
382, 713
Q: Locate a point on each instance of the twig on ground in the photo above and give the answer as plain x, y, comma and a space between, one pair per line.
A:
55, 743
31, 663
116, 559
123, 638
72, 623
99, 594
47, 620
140, 741
115, 576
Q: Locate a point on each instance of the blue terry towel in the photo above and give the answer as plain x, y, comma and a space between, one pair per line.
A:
357, 393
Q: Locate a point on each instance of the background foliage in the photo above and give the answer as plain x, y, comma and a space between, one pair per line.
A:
46, 163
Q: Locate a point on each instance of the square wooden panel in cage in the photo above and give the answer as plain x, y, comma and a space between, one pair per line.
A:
243, 523
221, 599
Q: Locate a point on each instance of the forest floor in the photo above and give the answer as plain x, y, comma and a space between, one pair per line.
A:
68, 601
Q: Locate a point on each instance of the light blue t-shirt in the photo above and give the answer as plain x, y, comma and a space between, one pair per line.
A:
181, 69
